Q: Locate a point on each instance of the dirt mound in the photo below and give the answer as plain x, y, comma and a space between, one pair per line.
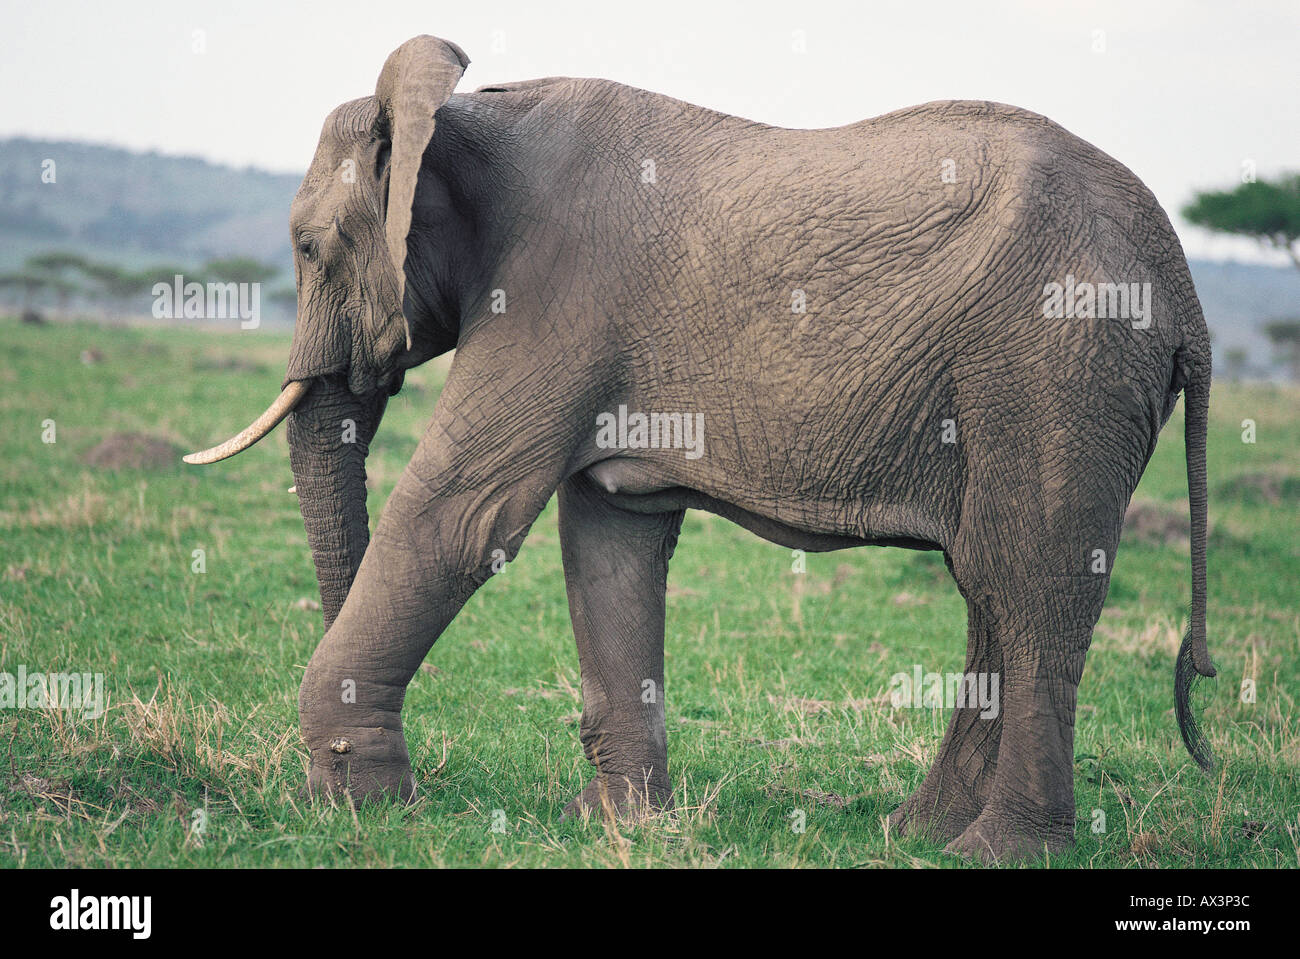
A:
132, 451
1155, 525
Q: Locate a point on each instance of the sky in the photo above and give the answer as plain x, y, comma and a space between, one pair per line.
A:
1186, 94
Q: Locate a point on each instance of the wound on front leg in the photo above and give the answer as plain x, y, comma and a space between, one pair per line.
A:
353, 732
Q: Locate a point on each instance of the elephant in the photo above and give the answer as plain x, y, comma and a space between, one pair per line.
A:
954, 327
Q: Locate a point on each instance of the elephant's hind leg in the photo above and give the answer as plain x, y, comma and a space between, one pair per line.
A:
955, 789
1030, 806
616, 573
1045, 605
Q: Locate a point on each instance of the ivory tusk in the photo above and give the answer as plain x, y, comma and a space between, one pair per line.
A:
290, 397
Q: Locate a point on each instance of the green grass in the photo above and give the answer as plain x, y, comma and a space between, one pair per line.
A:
778, 684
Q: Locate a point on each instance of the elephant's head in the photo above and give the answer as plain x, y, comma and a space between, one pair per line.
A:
353, 337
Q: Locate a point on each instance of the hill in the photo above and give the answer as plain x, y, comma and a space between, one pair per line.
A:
132, 208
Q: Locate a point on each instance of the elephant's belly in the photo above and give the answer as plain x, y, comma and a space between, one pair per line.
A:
631, 486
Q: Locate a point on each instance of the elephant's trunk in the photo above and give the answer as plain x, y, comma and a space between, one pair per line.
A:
329, 437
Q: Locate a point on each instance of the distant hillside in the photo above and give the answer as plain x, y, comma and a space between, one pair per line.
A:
140, 209
1240, 298
134, 208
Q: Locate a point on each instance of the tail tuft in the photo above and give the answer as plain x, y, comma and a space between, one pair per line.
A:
1187, 676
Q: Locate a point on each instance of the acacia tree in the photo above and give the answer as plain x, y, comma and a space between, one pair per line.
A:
116, 284
1285, 336
239, 269
60, 269
1268, 212
46, 271
30, 282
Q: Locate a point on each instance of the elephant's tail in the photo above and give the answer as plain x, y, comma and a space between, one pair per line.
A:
1194, 655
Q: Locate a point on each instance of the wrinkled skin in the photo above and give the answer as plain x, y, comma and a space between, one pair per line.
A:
823, 429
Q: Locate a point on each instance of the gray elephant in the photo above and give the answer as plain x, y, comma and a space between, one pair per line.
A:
955, 327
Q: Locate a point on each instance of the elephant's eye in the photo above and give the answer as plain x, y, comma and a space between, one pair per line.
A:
307, 248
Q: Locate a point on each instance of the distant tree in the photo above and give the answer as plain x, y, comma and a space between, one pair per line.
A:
1235, 361
66, 274
239, 269
1265, 211
1285, 336
167, 273
64, 289
117, 284
55, 266
57, 262
30, 282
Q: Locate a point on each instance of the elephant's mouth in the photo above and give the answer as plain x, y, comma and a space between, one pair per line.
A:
289, 397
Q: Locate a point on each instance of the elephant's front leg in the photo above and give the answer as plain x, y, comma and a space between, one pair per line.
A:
616, 571
434, 545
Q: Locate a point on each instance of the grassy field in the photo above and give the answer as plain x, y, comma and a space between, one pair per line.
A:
778, 684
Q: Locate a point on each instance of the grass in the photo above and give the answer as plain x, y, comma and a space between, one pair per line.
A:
778, 684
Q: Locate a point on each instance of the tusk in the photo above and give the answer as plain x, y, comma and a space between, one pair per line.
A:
283, 405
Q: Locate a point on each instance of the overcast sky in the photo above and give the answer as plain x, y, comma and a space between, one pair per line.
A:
1182, 93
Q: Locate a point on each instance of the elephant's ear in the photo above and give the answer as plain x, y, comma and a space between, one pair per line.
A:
417, 79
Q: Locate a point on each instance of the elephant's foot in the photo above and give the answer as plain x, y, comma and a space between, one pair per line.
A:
620, 798
935, 813
362, 763
996, 837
